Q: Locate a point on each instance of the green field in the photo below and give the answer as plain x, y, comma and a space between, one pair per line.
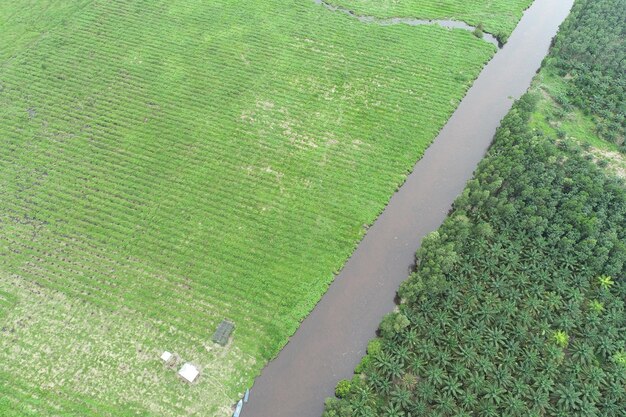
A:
571, 123
498, 17
168, 164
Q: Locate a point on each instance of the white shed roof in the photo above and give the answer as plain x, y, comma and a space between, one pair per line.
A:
166, 356
189, 372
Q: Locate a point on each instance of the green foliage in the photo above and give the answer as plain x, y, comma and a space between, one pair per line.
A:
606, 282
336, 408
392, 324
519, 323
620, 359
363, 364
343, 388
590, 55
479, 31
374, 346
596, 306
561, 338
518, 304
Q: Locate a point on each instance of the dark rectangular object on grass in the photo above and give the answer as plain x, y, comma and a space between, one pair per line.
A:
223, 332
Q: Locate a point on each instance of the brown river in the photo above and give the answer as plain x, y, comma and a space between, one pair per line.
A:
332, 339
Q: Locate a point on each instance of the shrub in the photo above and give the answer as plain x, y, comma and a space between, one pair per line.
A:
392, 324
343, 388
561, 338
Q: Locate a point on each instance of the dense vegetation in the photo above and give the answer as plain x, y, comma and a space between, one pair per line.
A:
517, 307
497, 17
168, 164
24, 22
591, 62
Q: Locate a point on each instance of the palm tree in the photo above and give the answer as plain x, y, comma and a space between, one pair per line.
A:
381, 384
366, 411
582, 353
595, 376
401, 397
515, 406
453, 387
475, 381
409, 381
484, 365
493, 393
401, 354
469, 401
496, 337
426, 390
419, 408
459, 370
497, 250
445, 404
589, 409
534, 305
393, 410
488, 409
568, 398
435, 375
466, 269
411, 338
605, 346
416, 364
531, 257
388, 365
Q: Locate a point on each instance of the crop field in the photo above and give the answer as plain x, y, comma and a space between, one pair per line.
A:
165, 165
498, 17
22, 22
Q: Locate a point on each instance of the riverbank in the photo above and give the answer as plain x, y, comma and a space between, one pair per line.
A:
332, 339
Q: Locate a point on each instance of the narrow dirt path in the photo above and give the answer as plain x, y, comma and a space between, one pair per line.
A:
332, 339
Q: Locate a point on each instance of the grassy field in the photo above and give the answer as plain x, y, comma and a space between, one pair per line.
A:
571, 123
581, 89
24, 22
498, 17
168, 164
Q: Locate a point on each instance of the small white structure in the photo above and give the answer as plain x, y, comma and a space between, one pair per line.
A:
189, 372
166, 356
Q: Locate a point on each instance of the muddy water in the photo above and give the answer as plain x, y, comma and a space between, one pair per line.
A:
332, 339
448, 24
